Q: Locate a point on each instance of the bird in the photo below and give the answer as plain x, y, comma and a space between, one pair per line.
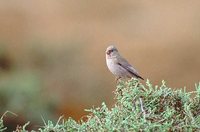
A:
119, 66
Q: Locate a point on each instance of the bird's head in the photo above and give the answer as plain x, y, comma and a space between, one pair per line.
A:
111, 51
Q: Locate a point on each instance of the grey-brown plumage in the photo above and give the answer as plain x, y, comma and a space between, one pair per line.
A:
118, 65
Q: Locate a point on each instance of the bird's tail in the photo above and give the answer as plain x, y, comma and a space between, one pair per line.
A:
140, 77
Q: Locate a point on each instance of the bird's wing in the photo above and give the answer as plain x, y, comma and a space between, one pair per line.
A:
124, 63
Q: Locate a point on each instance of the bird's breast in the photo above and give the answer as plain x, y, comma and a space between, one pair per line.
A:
115, 68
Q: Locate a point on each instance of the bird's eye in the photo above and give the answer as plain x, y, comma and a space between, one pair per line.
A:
110, 51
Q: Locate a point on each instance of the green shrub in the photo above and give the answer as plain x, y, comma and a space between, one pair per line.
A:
139, 107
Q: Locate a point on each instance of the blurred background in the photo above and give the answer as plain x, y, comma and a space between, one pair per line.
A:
52, 53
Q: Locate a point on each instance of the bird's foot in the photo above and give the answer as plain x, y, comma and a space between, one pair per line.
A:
117, 79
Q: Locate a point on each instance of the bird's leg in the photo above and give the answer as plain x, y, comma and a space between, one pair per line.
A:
117, 79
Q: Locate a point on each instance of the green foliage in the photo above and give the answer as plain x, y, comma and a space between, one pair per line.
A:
139, 107
50, 127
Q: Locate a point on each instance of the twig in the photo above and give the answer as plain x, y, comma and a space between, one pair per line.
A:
142, 108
